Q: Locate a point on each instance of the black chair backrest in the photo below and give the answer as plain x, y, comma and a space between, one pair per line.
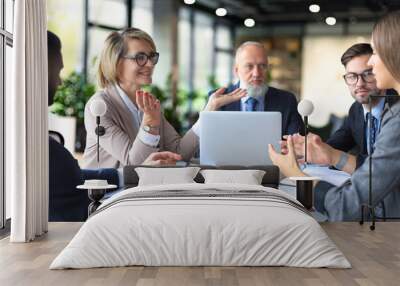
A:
57, 136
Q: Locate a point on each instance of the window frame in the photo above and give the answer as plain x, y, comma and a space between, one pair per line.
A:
89, 25
6, 39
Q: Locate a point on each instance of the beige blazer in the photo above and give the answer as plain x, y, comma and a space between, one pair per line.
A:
119, 146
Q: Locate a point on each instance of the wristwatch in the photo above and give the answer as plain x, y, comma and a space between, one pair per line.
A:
149, 128
342, 161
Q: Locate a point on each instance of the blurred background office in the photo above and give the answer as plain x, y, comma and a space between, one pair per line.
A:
197, 40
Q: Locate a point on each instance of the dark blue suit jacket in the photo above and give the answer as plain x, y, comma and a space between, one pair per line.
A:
275, 100
66, 203
351, 135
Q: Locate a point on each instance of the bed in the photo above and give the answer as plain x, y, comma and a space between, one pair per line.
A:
201, 224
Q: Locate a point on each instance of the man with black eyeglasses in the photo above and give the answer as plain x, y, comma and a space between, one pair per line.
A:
354, 135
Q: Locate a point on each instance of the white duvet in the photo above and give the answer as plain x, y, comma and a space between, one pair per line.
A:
208, 230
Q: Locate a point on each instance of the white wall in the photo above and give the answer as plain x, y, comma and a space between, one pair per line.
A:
322, 72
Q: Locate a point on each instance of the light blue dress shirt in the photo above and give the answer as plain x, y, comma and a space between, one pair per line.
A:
259, 106
260, 100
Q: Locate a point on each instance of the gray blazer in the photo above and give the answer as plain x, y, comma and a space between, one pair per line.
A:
119, 146
344, 203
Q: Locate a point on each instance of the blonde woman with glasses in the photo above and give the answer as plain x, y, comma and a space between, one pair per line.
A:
344, 202
134, 123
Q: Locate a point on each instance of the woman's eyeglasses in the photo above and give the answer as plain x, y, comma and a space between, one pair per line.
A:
142, 58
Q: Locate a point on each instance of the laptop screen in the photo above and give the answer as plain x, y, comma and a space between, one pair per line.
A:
238, 138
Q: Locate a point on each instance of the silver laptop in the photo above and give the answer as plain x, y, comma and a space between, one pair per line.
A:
238, 138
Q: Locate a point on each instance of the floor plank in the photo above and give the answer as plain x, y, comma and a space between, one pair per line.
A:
374, 255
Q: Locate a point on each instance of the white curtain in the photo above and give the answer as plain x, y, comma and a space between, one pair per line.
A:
27, 132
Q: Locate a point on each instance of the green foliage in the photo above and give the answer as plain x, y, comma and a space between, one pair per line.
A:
212, 82
71, 97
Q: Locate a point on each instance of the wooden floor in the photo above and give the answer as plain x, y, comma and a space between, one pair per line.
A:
374, 255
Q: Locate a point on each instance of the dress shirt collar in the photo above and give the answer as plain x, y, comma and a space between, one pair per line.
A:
376, 110
128, 102
260, 98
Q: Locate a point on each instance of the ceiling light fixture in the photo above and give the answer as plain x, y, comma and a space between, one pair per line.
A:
330, 21
221, 12
314, 8
249, 22
189, 2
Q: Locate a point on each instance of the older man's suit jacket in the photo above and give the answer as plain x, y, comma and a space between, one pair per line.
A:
120, 146
66, 203
275, 100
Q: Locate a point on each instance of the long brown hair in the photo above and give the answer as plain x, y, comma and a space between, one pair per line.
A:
386, 39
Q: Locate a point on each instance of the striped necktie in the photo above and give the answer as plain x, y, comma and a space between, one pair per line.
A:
372, 130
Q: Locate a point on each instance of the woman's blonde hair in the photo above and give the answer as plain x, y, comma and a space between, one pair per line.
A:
386, 39
114, 48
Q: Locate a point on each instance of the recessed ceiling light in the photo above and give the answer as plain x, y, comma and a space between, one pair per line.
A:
249, 22
330, 21
221, 12
189, 2
314, 8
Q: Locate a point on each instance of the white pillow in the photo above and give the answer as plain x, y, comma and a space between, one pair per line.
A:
166, 176
248, 177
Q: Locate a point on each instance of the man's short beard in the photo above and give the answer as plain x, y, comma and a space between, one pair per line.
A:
256, 90
371, 93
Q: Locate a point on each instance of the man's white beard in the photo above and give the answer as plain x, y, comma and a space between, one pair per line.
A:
255, 90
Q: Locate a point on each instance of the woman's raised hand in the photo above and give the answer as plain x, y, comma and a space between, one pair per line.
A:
150, 106
287, 163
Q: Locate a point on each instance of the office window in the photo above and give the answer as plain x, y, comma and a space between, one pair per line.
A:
8, 74
224, 39
203, 33
108, 12
223, 69
205, 50
96, 43
6, 41
9, 13
224, 55
184, 53
142, 16
65, 19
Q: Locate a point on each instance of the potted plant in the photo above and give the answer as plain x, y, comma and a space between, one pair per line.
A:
69, 106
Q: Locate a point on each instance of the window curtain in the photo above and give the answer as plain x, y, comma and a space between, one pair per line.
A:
26, 121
